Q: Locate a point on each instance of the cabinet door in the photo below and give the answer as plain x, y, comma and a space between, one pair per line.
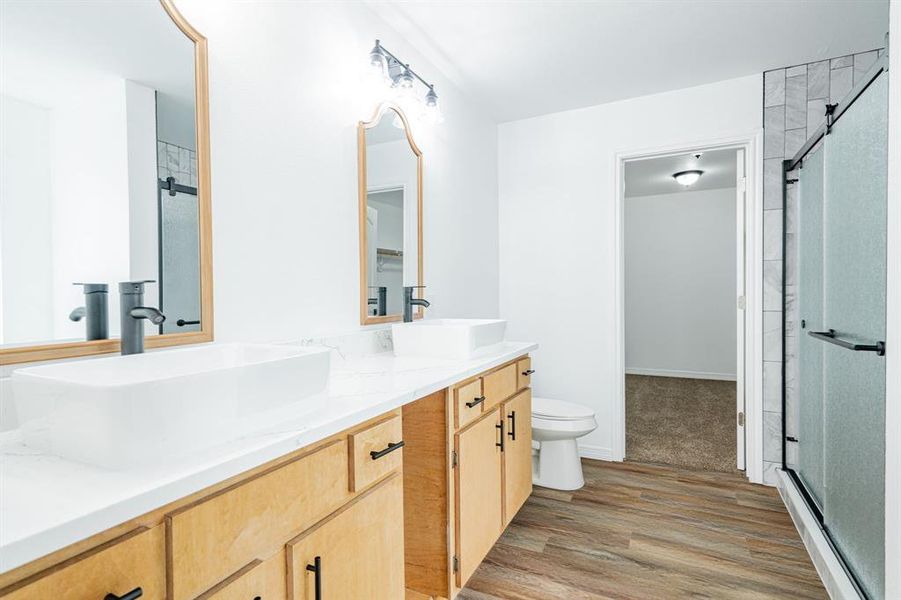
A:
478, 486
260, 580
517, 453
360, 550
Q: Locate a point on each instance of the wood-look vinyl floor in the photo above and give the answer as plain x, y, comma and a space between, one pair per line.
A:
649, 531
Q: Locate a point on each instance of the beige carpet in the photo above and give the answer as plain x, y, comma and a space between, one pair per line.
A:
683, 422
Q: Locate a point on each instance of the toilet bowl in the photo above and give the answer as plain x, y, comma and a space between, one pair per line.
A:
555, 427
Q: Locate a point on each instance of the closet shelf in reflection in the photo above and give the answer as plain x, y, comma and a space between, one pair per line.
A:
388, 252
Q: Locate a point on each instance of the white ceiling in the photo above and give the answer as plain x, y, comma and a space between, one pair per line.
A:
525, 58
653, 176
49, 49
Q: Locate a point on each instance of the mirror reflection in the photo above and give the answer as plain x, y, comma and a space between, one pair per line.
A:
391, 237
99, 163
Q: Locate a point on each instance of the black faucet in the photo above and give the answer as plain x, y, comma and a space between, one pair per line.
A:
132, 312
410, 302
95, 311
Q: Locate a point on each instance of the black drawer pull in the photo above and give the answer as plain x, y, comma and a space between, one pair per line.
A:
132, 595
500, 444
316, 568
476, 401
528, 372
512, 432
391, 448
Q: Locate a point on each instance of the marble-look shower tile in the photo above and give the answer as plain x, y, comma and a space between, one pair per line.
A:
774, 88
184, 159
862, 64
791, 208
771, 472
794, 139
772, 386
772, 336
842, 61
816, 114
772, 183
796, 70
791, 454
772, 285
796, 102
162, 172
172, 158
774, 132
841, 82
818, 80
772, 235
772, 436
790, 306
160, 154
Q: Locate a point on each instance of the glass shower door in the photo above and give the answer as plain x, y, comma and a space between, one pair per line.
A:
179, 260
854, 263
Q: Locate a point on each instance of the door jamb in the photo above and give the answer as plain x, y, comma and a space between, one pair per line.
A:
752, 143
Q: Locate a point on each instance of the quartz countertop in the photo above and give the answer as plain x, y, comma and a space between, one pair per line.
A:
48, 503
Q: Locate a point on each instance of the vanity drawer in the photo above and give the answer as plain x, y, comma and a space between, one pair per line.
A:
263, 579
468, 402
374, 452
523, 373
218, 536
135, 560
499, 385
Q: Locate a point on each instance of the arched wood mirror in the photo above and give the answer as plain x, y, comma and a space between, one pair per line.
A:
390, 192
106, 176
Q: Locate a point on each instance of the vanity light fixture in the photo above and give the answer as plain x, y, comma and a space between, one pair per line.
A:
687, 178
400, 76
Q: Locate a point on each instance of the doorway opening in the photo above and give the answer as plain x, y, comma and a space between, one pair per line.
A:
684, 276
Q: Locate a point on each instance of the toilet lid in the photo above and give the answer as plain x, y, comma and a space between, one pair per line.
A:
547, 408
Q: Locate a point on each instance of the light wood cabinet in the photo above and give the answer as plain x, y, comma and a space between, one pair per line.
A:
260, 580
356, 553
375, 452
499, 385
517, 452
216, 537
135, 560
468, 402
524, 373
478, 483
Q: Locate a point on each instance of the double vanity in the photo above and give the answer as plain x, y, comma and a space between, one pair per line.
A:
271, 472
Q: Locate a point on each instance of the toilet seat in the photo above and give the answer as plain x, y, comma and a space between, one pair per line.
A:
558, 410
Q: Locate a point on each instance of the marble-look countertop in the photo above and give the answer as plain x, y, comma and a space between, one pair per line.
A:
48, 503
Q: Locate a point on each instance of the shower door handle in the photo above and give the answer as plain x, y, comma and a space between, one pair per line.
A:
830, 337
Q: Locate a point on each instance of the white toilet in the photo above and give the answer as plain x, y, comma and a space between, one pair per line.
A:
555, 427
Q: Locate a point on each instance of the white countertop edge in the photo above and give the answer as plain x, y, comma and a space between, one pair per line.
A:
24, 550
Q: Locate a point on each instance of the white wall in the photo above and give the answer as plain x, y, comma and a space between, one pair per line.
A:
557, 227
286, 92
680, 284
893, 322
26, 260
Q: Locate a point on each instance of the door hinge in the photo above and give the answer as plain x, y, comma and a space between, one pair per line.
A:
741, 302
741, 419
453, 459
456, 564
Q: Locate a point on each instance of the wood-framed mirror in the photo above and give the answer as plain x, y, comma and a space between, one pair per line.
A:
390, 215
106, 156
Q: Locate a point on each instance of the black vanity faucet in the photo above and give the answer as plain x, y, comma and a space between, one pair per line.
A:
410, 302
132, 312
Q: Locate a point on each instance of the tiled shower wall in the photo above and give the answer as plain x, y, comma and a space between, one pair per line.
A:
794, 105
176, 161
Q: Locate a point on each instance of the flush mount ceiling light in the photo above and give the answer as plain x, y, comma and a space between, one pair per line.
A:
687, 178
400, 76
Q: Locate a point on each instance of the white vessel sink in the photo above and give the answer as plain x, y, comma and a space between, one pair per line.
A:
447, 338
120, 411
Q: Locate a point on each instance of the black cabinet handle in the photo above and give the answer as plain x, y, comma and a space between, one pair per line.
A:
528, 372
316, 568
132, 595
182, 322
391, 448
500, 444
512, 432
475, 401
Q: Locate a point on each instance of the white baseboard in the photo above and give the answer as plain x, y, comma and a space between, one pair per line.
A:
596, 452
683, 374
837, 582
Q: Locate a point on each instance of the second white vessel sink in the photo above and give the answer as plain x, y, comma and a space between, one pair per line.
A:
123, 410
447, 338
